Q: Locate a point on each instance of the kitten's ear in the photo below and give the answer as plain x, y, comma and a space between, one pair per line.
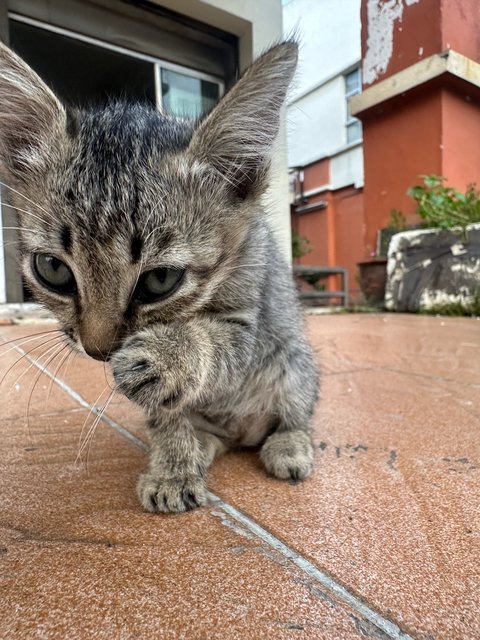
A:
31, 117
236, 138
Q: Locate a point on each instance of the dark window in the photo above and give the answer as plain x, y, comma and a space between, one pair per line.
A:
80, 72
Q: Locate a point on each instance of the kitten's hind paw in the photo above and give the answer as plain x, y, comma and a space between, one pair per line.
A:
172, 494
288, 455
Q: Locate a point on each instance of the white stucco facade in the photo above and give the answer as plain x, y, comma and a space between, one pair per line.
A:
329, 33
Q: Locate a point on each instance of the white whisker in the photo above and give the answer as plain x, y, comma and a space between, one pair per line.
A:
28, 213
56, 372
34, 362
25, 355
93, 410
95, 425
35, 204
40, 371
26, 339
89, 436
35, 231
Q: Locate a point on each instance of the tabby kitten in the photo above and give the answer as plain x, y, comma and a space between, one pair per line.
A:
149, 244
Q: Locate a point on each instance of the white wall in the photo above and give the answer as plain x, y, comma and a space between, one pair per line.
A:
316, 123
346, 168
329, 32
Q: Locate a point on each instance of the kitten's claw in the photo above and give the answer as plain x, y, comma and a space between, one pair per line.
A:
148, 370
171, 495
140, 365
288, 455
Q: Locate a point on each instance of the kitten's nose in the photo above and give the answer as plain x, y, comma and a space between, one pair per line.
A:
97, 344
99, 340
103, 356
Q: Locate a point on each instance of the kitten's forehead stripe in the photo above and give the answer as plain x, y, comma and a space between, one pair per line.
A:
66, 238
114, 154
136, 203
136, 246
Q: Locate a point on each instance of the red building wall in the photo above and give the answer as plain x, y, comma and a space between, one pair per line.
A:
416, 35
399, 144
349, 233
336, 231
433, 128
460, 139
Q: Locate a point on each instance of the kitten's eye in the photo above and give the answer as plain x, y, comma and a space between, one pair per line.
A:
53, 274
157, 284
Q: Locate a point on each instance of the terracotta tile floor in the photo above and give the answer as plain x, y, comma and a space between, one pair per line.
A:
382, 542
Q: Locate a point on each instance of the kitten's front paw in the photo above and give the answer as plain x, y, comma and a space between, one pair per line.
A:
159, 368
171, 494
288, 455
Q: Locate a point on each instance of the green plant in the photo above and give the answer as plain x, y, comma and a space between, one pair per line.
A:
315, 281
300, 245
358, 308
445, 207
470, 308
397, 220
396, 223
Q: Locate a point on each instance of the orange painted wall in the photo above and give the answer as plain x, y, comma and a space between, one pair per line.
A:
460, 140
349, 233
313, 225
317, 174
400, 143
335, 233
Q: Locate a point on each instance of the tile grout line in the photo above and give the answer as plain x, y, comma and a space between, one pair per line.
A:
402, 372
389, 628
84, 403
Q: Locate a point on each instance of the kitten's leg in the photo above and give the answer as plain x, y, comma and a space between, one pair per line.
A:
179, 458
211, 447
168, 369
212, 444
175, 479
288, 452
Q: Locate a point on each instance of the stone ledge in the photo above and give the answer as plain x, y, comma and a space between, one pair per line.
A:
428, 268
448, 62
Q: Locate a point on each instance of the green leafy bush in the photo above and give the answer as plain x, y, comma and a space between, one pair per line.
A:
315, 281
444, 207
300, 245
397, 221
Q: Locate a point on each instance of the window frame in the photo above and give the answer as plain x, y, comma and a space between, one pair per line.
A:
157, 63
351, 120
